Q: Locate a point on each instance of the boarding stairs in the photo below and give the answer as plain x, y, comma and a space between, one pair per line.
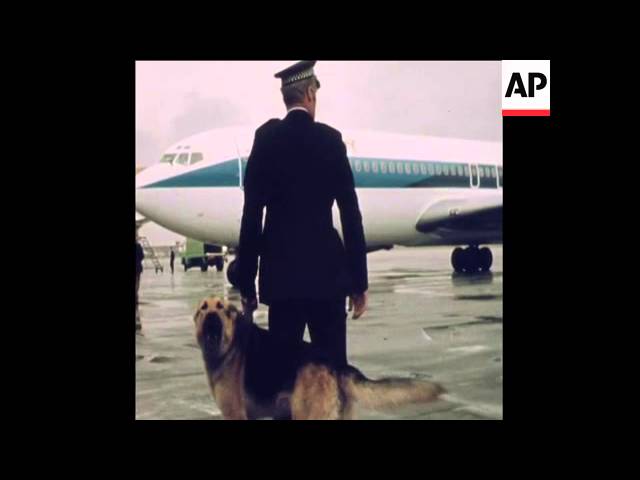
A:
149, 253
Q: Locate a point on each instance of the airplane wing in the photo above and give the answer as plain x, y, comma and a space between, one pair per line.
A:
462, 214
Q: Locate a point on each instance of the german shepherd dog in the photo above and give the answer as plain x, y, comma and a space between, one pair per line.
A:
252, 376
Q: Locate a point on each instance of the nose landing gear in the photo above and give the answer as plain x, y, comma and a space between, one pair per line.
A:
471, 259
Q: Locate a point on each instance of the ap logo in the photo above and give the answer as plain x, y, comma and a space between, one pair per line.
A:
526, 88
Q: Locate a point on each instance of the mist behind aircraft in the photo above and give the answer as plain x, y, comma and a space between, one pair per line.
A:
446, 99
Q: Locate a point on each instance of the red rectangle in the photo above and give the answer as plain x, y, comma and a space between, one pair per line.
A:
526, 113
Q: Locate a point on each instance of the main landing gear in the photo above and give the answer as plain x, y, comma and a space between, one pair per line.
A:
471, 259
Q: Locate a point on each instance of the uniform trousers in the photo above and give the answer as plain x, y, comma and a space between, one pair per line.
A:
326, 320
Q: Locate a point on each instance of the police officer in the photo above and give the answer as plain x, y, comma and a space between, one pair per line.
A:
139, 259
297, 169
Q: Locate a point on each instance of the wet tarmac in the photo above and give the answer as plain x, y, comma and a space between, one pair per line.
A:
423, 321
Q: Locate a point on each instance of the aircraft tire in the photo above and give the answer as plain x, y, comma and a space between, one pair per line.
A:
486, 259
470, 260
457, 259
219, 264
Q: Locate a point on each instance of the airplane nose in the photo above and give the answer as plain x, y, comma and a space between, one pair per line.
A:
151, 202
144, 178
140, 203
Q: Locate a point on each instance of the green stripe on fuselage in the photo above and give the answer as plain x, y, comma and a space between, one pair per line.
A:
225, 174
367, 173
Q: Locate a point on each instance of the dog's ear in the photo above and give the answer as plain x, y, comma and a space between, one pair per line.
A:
200, 309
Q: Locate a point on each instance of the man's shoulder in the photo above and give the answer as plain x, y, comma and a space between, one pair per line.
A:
268, 126
328, 131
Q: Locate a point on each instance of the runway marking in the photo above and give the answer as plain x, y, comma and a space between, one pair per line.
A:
468, 349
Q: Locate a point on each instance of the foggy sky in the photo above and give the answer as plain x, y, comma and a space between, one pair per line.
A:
450, 99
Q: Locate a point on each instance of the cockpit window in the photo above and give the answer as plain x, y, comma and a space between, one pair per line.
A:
168, 158
196, 157
183, 159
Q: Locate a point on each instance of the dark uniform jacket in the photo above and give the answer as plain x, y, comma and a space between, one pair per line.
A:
139, 257
297, 168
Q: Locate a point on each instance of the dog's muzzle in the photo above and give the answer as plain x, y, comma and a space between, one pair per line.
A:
211, 330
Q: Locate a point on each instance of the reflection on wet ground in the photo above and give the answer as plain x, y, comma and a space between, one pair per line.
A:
423, 322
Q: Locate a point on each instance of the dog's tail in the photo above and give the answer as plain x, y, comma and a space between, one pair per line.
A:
387, 392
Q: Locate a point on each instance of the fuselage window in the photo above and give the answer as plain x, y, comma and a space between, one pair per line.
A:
430, 168
168, 158
366, 165
196, 157
358, 165
392, 167
183, 159
383, 167
438, 169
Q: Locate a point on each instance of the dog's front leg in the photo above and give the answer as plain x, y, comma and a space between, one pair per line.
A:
231, 404
233, 410
235, 416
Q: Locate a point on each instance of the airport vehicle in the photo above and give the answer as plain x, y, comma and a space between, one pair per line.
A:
412, 190
203, 255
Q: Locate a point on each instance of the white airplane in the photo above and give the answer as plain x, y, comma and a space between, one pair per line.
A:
412, 191
140, 220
